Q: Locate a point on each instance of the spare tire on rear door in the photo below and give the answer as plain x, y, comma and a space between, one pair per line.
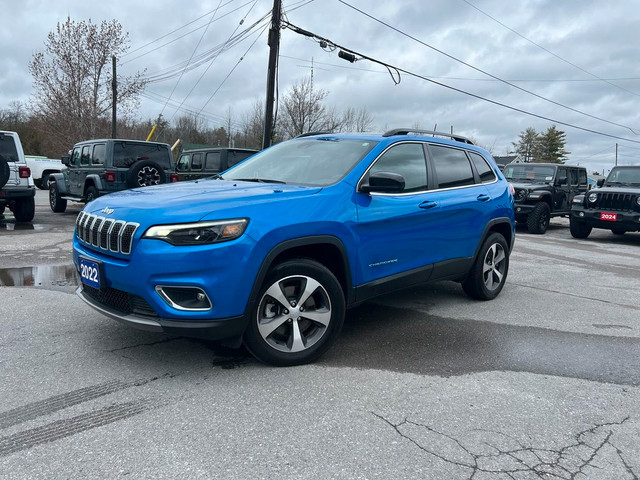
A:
4, 172
144, 173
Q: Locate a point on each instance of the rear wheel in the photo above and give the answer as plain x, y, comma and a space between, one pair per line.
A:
578, 229
24, 209
538, 219
489, 271
57, 204
298, 314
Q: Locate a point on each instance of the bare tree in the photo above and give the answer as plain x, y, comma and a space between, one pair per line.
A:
251, 134
72, 80
357, 120
302, 110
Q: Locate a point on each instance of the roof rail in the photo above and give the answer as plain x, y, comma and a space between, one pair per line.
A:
309, 134
407, 131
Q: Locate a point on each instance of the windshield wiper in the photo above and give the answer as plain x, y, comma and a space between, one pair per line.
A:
259, 180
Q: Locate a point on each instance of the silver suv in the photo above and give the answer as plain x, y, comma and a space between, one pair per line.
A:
17, 191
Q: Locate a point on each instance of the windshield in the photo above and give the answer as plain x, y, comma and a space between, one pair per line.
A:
624, 176
529, 173
316, 162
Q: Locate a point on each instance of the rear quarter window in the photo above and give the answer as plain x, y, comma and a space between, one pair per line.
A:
8, 149
485, 172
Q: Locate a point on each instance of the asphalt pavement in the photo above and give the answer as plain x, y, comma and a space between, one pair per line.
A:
542, 382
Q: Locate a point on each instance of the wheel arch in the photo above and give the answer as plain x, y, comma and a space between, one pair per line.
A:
325, 249
92, 180
504, 227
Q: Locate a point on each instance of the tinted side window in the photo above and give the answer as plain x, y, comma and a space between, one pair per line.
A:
407, 160
212, 161
562, 173
183, 163
196, 161
98, 154
452, 167
75, 157
8, 148
234, 157
582, 177
485, 172
85, 157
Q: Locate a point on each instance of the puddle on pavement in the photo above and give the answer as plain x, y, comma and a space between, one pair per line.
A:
20, 226
42, 276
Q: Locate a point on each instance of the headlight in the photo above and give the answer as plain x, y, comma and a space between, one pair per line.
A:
638, 200
201, 233
592, 197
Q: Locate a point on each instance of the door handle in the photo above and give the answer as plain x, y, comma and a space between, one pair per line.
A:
428, 204
483, 198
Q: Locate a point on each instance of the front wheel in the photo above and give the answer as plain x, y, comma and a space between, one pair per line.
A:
578, 229
57, 203
91, 194
618, 231
538, 219
298, 314
489, 270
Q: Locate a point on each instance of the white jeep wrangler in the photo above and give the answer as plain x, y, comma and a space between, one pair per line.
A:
17, 190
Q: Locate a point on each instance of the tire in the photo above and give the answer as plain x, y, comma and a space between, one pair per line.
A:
538, 219
57, 204
91, 194
578, 229
1, 210
43, 183
490, 268
145, 173
24, 209
4, 172
38, 183
281, 331
618, 231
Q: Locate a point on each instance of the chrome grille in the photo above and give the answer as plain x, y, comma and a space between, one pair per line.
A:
617, 201
105, 233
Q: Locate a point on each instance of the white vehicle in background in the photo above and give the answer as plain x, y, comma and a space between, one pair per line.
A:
41, 168
17, 192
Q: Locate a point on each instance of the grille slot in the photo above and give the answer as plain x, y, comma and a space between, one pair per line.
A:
617, 201
105, 233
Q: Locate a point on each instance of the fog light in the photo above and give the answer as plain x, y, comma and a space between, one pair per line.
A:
192, 299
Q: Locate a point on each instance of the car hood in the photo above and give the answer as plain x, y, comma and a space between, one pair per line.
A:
190, 201
617, 189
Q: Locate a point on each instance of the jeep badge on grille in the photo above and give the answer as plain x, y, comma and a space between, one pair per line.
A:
107, 211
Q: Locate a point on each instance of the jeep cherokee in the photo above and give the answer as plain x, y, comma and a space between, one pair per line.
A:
273, 252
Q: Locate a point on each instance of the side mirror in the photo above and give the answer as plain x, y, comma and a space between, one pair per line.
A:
600, 182
384, 182
65, 160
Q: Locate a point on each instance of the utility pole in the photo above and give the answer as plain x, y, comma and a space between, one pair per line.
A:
274, 47
616, 154
114, 89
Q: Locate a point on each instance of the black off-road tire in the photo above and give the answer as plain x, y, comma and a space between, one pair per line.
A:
579, 229
24, 209
538, 219
490, 268
4, 171
91, 194
145, 173
283, 332
618, 231
57, 204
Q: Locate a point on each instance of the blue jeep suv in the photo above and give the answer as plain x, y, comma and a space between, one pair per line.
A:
272, 252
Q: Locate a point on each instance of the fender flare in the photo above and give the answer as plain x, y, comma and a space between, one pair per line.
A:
60, 182
95, 179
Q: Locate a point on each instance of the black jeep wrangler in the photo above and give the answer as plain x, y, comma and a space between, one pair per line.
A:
544, 190
614, 205
98, 167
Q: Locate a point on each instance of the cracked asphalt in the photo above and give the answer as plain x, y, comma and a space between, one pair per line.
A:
542, 382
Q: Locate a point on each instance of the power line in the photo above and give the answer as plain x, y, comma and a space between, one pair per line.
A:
483, 71
352, 54
549, 51
184, 35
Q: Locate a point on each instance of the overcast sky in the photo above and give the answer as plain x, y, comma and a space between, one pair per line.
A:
574, 62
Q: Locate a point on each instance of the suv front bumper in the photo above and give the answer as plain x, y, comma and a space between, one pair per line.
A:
629, 221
